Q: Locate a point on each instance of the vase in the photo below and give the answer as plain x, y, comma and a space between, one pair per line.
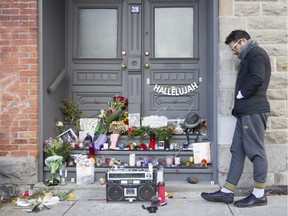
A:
98, 143
114, 139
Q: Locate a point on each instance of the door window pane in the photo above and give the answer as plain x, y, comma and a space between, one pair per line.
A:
98, 33
174, 32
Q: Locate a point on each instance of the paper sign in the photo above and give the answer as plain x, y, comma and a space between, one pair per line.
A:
155, 121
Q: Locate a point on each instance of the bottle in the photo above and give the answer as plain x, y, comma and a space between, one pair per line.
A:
152, 140
91, 149
161, 192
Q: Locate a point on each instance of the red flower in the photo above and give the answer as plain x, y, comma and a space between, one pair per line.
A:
120, 98
126, 122
143, 146
130, 129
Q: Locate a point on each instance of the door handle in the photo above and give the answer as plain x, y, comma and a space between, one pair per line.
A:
146, 53
123, 66
147, 66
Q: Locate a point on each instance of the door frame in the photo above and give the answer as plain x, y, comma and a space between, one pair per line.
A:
212, 72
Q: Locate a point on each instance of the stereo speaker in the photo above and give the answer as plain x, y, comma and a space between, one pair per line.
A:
114, 193
146, 192
142, 192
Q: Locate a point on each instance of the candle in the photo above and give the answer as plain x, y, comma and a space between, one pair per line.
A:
60, 172
132, 160
169, 160
191, 159
65, 173
177, 161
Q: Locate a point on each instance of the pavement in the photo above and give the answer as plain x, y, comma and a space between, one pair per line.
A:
186, 201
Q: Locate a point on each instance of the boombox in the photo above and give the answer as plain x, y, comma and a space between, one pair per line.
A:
130, 184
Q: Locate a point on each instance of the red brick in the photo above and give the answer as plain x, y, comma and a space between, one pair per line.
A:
28, 11
33, 127
10, 11
28, 73
34, 153
28, 49
20, 141
28, 147
19, 153
20, 5
28, 86
19, 67
5, 5
5, 18
19, 128
9, 147
9, 24
28, 36
28, 61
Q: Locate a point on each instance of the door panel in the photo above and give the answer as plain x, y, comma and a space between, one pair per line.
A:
95, 39
172, 38
134, 48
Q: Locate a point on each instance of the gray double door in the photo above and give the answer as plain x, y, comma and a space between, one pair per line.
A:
152, 52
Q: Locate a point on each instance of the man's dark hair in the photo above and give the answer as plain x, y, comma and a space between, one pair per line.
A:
236, 35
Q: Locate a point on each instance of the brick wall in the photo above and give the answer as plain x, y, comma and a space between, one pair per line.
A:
19, 78
266, 21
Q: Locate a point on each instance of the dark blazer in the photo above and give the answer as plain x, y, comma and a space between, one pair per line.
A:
253, 80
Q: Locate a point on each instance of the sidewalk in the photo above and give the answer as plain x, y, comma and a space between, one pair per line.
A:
91, 200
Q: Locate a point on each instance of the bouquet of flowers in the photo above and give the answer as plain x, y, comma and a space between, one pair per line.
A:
56, 147
141, 131
117, 111
118, 127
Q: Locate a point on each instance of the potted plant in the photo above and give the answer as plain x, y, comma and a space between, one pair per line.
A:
164, 133
71, 112
140, 132
57, 147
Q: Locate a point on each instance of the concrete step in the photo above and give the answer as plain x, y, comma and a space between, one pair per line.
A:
95, 191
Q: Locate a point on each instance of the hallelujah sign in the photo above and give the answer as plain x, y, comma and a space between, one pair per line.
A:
175, 91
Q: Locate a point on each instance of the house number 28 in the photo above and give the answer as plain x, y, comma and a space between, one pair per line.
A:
135, 9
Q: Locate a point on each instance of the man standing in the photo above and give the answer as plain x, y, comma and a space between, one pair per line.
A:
251, 109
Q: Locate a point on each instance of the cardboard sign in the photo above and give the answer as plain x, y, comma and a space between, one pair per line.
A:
88, 124
155, 121
84, 173
201, 151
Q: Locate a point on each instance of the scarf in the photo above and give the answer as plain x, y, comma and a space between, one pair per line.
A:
247, 47
245, 50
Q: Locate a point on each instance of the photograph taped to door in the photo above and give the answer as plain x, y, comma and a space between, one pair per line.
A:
201, 151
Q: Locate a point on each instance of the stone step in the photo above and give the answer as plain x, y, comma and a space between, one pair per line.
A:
95, 191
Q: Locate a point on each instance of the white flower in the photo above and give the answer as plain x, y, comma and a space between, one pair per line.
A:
102, 113
59, 124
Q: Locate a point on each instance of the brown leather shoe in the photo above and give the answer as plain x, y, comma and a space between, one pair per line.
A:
251, 201
218, 196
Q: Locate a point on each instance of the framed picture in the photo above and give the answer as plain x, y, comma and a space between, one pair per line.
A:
68, 136
161, 145
134, 119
